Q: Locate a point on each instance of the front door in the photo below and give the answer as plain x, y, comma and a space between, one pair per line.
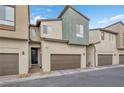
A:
34, 56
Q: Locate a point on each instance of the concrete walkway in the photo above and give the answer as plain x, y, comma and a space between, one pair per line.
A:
14, 78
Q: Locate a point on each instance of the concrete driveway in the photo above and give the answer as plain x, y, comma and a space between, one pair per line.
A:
113, 77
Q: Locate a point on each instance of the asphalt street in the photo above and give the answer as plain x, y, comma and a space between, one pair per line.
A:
113, 77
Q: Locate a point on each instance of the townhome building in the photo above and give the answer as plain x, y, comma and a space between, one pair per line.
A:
106, 45
14, 28
118, 27
57, 44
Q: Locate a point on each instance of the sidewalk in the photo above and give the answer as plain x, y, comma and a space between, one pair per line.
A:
15, 78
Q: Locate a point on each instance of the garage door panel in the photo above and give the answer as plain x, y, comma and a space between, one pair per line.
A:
9, 64
104, 59
65, 61
121, 59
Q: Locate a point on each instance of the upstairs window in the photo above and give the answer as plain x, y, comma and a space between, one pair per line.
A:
102, 36
7, 15
80, 31
33, 32
110, 36
47, 29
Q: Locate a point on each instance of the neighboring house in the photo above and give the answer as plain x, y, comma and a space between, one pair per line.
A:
102, 49
119, 28
62, 41
14, 28
106, 45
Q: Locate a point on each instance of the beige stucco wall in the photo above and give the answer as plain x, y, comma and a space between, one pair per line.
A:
119, 28
17, 41
56, 32
60, 48
90, 56
16, 46
21, 24
107, 47
94, 36
37, 34
103, 47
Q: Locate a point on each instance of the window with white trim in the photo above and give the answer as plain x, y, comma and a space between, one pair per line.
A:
47, 29
7, 15
80, 31
102, 35
33, 32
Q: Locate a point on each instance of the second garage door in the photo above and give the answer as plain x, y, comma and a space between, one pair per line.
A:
65, 61
9, 64
104, 59
121, 59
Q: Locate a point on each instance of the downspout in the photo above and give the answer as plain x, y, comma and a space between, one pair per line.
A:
94, 55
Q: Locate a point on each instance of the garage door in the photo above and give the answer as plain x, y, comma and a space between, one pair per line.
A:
104, 59
121, 59
65, 61
9, 64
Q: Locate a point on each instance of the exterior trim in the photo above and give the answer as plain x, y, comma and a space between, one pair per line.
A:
34, 41
45, 20
105, 30
6, 27
56, 40
94, 43
14, 38
66, 8
114, 24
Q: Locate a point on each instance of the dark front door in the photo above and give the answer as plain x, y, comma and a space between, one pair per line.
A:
34, 56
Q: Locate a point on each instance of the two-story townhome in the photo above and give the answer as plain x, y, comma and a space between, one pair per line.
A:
14, 28
102, 50
62, 41
118, 27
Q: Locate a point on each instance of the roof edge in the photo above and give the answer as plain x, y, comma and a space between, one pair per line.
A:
106, 30
68, 6
114, 24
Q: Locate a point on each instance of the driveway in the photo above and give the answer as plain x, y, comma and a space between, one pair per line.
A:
113, 77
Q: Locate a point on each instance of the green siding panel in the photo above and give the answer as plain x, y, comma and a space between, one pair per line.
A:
70, 19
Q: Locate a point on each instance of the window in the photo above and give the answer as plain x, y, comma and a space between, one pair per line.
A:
47, 29
110, 37
80, 31
102, 36
33, 32
7, 15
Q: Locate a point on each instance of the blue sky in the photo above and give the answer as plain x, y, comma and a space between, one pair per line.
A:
100, 15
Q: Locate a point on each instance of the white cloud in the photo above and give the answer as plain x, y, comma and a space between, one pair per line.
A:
112, 19
117, 17
105, 20
49, 10
34, 19
44, 9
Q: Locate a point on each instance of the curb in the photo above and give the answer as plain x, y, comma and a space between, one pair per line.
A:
59, 73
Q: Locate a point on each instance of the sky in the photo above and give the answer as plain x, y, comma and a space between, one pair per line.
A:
99, 15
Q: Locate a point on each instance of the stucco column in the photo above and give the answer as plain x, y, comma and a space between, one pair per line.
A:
45, 58
24, 59
83, 58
